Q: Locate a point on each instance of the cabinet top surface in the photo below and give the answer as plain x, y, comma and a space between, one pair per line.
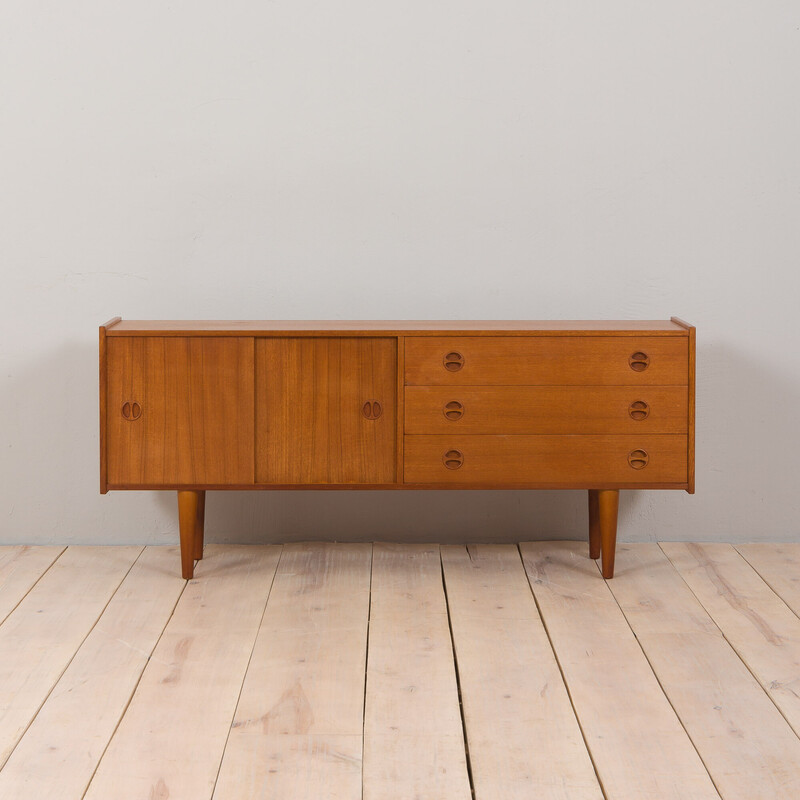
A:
296, 327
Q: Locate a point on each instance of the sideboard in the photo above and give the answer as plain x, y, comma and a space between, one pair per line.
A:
198, 405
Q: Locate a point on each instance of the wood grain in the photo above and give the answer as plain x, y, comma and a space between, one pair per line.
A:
196, 398
638, 745
524, 740
192, 680
103, 385
191, 515
580, 460
400, 412
413, 739
295, 327
745, 743
40, 637
757, 623
309, 399
20, 567
779, 567
297, 732
545, 409
61, 749
607, 513
414, 487
561, 360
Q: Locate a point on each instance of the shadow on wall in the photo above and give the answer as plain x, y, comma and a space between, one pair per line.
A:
409, 516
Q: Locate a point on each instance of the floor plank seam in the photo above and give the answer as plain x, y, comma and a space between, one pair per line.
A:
774, 590
366, 666
244, 674
664, 691
458, 678
72, 657
32, 586
732, 646
766, 655
133, 693
563, 676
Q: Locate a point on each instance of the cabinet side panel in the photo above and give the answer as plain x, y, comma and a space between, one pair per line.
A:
180, 411
310, 397
103, 385
690, 448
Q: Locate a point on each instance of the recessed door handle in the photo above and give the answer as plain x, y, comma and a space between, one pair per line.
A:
131, 410
372, 409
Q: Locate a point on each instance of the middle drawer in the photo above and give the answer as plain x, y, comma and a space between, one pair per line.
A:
546, 409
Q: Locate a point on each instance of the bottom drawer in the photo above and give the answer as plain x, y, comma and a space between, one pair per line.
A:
657, 458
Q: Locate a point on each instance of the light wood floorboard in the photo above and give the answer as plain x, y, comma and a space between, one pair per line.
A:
58, 754
638, 744
298, 727
759, 625
400, 672
43, 633
20, 568
524, 740
413, 737
171, 739
779, 567
747, 746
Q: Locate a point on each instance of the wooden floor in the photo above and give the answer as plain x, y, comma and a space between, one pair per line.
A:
396, 672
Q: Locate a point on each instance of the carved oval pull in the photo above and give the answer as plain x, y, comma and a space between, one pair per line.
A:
639, 410
639, 361
638, 459
453, 459
372, 409
453, 361
131, 410
453, 410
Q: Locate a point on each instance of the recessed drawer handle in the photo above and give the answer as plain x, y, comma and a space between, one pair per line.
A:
639, 410
639, 361
131, 410
372, 409
453, 410
453, 459
638, 459
453, 361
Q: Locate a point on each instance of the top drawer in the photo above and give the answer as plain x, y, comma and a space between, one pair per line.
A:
547, 360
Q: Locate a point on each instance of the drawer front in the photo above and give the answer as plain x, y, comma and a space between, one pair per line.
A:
574, 460
546, 409
547, 360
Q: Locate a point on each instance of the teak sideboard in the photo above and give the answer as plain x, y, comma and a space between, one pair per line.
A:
198, 405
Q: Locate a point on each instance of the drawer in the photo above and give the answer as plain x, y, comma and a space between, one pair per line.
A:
546, 409
573, 460
547, 360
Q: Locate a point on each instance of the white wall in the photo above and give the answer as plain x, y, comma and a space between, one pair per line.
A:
365, 159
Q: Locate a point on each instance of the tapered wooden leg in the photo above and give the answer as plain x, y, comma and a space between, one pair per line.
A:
594, 524
608, 505
200, 525
187, 520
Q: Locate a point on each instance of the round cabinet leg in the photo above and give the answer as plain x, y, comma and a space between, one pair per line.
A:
608, 505
199, 527
594, 525
187, 520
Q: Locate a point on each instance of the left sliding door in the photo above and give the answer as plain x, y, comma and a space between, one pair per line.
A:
180, 411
